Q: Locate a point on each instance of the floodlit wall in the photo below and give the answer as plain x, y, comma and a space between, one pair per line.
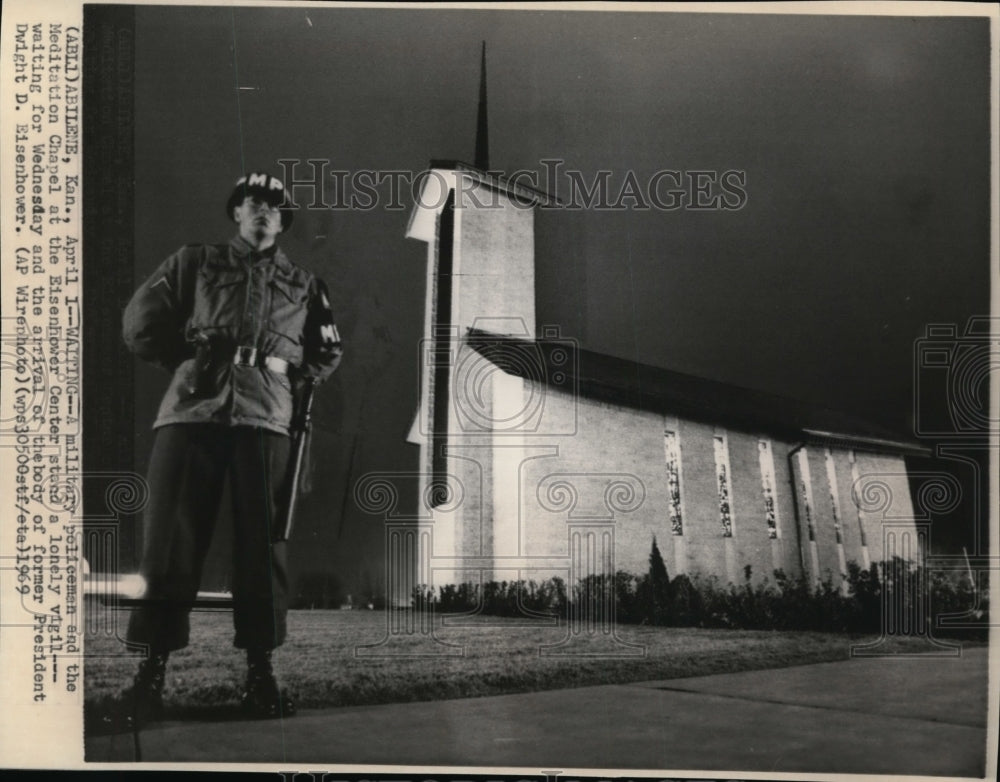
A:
535, 485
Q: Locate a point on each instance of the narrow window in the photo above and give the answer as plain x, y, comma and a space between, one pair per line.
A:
672, 453
831, 481
766, 458
806, 482
722, 473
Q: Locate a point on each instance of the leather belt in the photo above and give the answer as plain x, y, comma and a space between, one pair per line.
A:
251, 357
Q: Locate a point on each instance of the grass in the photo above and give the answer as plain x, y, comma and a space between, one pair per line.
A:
321, 663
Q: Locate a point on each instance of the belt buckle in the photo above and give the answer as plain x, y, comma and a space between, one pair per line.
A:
246, 356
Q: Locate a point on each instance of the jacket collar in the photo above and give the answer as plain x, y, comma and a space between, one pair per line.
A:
239, 248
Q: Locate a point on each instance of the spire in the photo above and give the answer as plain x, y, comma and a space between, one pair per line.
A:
482, 160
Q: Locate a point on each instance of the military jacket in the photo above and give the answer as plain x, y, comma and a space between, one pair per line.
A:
230, 299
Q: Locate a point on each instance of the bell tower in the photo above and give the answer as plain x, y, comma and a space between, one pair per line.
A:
479, 230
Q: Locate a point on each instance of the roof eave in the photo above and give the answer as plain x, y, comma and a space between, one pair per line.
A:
594, 387
866, 443
496, 181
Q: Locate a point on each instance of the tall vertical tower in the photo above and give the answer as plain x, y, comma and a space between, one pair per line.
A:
479, 231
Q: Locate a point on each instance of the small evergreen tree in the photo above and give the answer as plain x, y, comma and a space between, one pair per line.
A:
659, 587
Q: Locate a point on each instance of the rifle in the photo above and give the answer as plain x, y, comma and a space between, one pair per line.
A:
301, 428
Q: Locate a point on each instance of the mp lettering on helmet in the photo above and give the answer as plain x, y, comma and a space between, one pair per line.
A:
257, 179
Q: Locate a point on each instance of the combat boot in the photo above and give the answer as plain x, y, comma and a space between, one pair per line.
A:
142, 702
262, 698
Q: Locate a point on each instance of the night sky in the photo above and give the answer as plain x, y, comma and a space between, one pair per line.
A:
864, 142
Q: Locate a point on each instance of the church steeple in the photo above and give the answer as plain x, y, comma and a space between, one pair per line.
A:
434, 191
482, 160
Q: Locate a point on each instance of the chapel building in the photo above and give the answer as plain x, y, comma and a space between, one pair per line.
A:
541, 458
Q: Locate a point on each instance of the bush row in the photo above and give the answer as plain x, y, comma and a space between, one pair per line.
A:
780, 602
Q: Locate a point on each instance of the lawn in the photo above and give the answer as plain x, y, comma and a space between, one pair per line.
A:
323, 664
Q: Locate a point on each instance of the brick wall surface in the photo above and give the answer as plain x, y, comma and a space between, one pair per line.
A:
469, 461
888, 501
494, 261
792, 536
750, 531
608, 441
848, 508
702, 526
823, 518
584, 442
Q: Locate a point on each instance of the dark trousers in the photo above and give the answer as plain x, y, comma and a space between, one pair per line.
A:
187, 468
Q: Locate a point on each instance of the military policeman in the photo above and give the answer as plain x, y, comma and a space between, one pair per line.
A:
239, 327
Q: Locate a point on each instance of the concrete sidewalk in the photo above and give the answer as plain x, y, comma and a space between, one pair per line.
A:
915, 716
